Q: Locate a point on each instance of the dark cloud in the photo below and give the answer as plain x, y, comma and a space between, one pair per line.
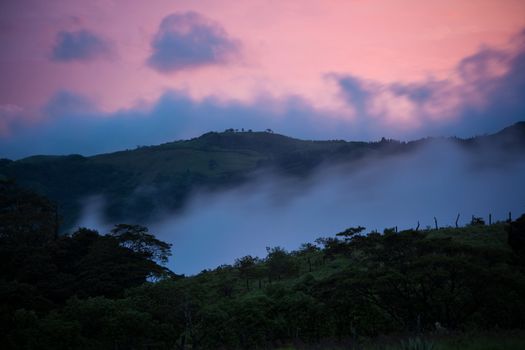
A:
72, 124
66, 103
418, 93
487, 93
355, 92
81, 45
506, 102
11, 116
478, 66
188, 40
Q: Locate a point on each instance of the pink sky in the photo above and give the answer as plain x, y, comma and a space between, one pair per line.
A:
286, 48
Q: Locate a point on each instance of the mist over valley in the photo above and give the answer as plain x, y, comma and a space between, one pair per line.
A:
244, 191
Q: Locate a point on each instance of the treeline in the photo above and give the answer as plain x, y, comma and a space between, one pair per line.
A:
91, 291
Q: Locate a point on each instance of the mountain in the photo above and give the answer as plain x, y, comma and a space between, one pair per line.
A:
136, 183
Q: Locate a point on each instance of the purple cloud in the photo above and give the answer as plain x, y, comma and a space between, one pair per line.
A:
65, 103
487, 92
81, 45
73, 124
189, 40
487, 96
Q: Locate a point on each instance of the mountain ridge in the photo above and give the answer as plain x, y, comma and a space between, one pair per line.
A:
138, 182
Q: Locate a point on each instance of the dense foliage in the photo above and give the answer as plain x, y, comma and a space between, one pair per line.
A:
90, 291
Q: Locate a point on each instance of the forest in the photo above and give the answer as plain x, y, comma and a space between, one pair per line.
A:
424, 288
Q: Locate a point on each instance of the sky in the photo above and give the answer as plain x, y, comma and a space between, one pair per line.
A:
97, 76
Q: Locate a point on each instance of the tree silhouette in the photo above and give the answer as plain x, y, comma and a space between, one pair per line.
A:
25, 217
138, 239
246, 266
351, 232
280, 263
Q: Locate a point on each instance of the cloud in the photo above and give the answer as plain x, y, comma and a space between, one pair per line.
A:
485, 95
439, 179
66, 103
73, 124
189, 40
81, 45
485, 92
9, 118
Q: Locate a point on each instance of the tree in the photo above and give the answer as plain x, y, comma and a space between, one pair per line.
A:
332, 246
351, 232
516, 236
308, 250
280, 263
138, 239
26, 218
246, 266
227, 280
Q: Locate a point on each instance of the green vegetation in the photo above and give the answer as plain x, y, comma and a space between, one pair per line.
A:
452, 288
212, 161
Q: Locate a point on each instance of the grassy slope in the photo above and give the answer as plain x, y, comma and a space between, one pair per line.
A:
493, 236
488, 236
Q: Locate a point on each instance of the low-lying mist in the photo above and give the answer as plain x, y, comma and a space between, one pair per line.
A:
438, 180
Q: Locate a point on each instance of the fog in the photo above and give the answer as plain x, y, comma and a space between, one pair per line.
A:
438, 180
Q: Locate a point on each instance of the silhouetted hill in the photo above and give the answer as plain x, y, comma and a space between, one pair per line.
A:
512, 137
135, 183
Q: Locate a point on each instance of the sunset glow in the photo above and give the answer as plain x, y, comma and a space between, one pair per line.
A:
346, 69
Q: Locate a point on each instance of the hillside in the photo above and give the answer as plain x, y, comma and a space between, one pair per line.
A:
137, 182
